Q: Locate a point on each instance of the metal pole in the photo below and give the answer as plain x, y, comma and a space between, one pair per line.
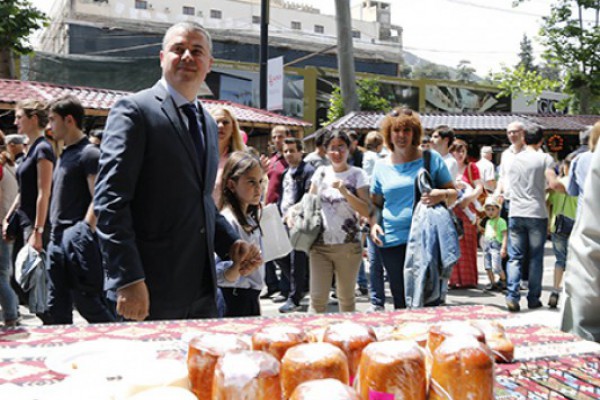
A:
346, 56
264, 51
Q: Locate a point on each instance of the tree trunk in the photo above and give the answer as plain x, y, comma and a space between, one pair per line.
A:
345, 56
585, 94
6, 68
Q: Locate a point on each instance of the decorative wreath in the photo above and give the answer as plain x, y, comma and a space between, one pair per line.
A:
556, 143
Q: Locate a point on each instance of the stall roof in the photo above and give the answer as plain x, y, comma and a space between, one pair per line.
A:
371, 120
99, 101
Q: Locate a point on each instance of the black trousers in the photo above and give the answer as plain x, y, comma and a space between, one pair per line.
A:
294, 267
241, 302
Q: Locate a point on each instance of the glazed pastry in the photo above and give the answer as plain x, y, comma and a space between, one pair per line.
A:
247, 375
463, 368
277, 339
351, 338
310, 361
203, 353
394, 368
320, 389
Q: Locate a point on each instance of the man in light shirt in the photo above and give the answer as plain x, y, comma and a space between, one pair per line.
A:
487, 169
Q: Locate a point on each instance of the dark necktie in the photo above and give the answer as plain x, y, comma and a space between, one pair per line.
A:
194, 130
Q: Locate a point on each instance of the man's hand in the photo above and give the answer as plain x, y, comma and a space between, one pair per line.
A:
133, 301
246, 255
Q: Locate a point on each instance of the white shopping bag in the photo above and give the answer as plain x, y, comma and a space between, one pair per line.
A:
275, 241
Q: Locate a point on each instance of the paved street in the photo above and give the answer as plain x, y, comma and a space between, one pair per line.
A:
543, 315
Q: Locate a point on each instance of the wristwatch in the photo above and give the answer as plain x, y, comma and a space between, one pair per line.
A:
38, 229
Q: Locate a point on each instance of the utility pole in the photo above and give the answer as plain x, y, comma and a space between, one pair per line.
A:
346, 56
264, 51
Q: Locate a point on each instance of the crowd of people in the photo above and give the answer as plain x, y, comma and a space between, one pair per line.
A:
162, 219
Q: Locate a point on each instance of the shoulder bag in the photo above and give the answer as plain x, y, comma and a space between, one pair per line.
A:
307, 222
458, 225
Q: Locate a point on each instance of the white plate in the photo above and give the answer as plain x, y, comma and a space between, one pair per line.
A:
105, 358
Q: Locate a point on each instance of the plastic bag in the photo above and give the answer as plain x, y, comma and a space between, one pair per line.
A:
275, 242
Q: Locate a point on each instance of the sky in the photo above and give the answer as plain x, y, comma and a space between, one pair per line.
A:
486, 33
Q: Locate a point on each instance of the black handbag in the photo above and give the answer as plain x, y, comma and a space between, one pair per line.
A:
13, 228
563, 225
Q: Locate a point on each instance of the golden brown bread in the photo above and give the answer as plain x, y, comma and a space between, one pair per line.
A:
277, 339
247, 375
320, 389
351, 338
463, 368
496, 339
310, 361
394, 368
440, 332
203, 353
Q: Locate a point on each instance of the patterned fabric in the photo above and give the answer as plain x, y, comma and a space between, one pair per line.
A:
549, 364
464, 274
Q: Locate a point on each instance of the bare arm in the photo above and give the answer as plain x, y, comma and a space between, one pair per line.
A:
44, 183
90, 217
359, 202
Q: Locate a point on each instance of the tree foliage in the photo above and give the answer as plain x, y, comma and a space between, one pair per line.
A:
571, 39
526, 58
431, 71
369, 98
522, 80
18, 20
465, 71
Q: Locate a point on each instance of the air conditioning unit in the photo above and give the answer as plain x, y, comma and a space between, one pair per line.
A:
167, 10
150, 6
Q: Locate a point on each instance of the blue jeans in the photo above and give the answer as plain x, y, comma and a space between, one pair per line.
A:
491, 256
560, 244
376, 279
526, 238
8, 297
393, 261
361, 278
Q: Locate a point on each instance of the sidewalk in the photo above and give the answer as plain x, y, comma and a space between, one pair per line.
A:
543, 316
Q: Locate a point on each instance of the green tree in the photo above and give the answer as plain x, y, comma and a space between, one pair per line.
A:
521, 80
18, 20
571, 39
369, 98
430, 71
464, 71
526, 54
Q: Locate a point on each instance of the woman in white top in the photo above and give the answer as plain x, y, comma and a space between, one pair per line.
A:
344, 191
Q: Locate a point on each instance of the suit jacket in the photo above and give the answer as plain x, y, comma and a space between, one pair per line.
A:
302, 178
156, 217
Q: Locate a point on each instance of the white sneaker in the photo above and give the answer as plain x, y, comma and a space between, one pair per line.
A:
375, 308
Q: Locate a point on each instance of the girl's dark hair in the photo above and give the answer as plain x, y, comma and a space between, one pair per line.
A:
238, 164
336, 134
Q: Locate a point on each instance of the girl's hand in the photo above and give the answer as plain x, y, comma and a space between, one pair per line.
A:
376, 232
434, 197
35, 241
339, 185
4, 228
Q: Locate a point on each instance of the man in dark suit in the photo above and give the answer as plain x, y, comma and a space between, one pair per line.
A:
157, 222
